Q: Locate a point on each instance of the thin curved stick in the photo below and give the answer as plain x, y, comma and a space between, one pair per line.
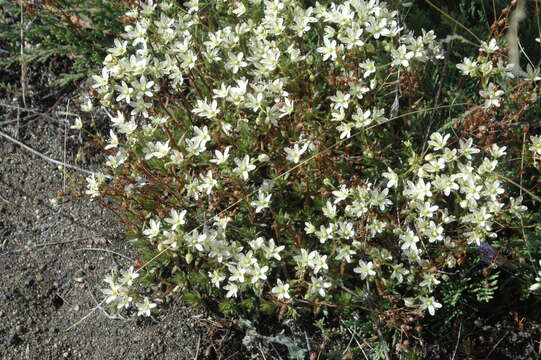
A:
45, 157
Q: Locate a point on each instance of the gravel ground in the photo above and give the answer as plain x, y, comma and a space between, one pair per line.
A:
48, 283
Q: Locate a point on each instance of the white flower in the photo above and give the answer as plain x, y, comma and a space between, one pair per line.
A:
515, 206
437, 141
281, 290
496, 151
143, 86
257, 243
345, 129
345, 253
240, 9
244, 166
153, 230
492, 96
207, 183
113, 292
216, 277
340, 100
490, 47
468, 67
262, 202
365, 269
467, 149
78, 124
259, 273
235, 62
272, 251
341, 194
294, 154
101, 81
158, 150
328, 49
286, 108
232, 290
429, 280
369, 68
430, 304
125, 92
409, 240
418, 191
309, 228
113, 143
325, 233
536, 145
128, 276
145, 307
398, 273
318, 286
329, 210
401, 56
206, 110
176, 219
318, 262
392, 178
532, 74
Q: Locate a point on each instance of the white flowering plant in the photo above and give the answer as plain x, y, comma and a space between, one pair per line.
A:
253, 156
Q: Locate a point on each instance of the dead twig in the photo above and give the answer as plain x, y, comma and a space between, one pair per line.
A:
458, 341
43, 245
107, 251
498, 343
84, 317
109, 316
198, 346
43, 156
261, 351
29, 110
354, 334
6, 200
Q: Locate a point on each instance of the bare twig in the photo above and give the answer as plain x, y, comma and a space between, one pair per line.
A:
276, 351
261, 351
44, 114
457, 341
84, 317
307, 341
354, 334
6, 200
65, 145
107, 251
7, 122
43, 156
109, 316
197, 350
23, 66
43, 245
498, 343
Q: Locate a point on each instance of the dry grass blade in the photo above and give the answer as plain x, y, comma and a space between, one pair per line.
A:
453, 20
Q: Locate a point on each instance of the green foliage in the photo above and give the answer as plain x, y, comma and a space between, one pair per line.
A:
75, 33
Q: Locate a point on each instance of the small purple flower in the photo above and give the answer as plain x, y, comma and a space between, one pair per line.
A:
487, 252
